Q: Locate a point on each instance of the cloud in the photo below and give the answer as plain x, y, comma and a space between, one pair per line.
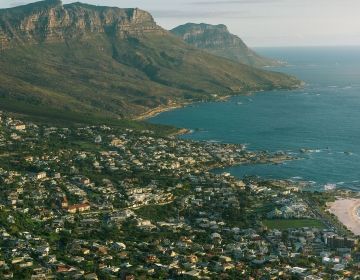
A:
201, 14
20, 3
229, 2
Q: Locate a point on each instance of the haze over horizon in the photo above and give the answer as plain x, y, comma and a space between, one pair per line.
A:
258, 22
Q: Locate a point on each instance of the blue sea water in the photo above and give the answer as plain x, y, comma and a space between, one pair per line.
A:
323, 117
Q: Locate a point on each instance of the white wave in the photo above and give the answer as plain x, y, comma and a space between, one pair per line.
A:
329, 187
315, 151
213, 141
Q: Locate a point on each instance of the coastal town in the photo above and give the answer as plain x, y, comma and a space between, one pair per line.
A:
102, 202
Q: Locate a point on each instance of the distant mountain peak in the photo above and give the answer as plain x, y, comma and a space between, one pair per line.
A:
218, 40
204, 26
44, 4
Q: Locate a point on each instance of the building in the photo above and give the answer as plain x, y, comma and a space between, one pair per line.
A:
18, 127
336, 242
40, 175
117, 142
78, 208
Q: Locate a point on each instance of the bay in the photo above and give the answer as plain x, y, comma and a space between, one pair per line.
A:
322, 119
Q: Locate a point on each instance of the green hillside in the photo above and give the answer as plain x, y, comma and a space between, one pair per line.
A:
113, 73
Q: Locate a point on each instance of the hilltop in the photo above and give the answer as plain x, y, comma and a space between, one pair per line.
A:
217, 40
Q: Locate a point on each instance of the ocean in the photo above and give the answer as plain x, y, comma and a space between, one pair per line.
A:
319, 124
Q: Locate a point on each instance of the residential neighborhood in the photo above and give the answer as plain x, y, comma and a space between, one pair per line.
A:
98, 202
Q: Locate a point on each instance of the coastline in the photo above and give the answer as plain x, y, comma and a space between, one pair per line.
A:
346, 210
158, 110
165, 108
223, 98
181, 131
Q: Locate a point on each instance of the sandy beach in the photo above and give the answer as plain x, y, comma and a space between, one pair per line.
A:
158, 110
164, 108
345, 210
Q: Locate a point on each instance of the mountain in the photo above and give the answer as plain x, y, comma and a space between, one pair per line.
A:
84, 61
217, 40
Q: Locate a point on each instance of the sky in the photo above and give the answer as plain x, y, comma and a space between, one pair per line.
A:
259, 23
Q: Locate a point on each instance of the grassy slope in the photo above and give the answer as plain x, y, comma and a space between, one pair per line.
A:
292, 223
104, 77
245, 56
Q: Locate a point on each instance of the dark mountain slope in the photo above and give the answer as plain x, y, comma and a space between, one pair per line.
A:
108, 62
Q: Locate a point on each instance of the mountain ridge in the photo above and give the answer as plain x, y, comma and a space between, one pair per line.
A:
109, 62
51, 21
217, 40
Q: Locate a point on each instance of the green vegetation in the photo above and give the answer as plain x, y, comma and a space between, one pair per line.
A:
157, 212
19, 222
321, 199
58, 117
282, 224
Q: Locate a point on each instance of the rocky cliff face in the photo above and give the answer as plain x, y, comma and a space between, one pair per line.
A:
51, 21
217, 40
206, 36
